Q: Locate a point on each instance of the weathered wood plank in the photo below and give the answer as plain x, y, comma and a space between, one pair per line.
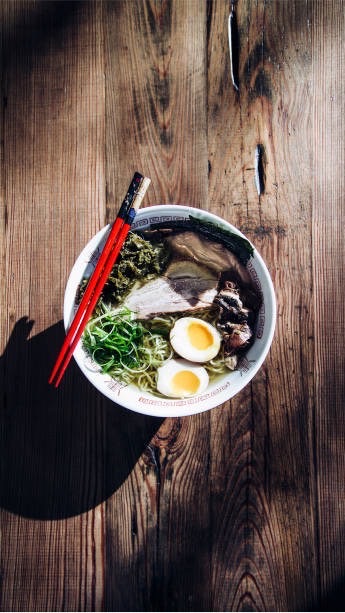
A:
262, 455
328, 257
157, 523
52, 202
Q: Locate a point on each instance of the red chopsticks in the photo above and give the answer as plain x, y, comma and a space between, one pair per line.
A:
106, 261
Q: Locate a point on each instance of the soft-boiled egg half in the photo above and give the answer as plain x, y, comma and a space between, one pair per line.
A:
181, 379
195, 339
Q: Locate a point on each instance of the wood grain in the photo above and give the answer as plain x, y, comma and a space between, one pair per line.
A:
155, 53
268, 477
241, 508
328, 274
164, 128
52, 187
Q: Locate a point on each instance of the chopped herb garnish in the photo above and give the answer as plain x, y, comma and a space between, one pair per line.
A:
139, 259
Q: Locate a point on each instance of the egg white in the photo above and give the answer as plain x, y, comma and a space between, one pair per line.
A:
188, 345
172, 375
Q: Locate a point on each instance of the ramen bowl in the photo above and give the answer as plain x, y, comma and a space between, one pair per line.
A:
221, 389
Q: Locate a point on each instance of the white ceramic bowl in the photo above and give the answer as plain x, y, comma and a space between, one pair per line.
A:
217, 392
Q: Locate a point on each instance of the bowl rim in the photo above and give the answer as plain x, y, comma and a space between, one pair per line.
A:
145, 403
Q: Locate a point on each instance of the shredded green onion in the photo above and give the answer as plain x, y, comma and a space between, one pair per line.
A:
124, 348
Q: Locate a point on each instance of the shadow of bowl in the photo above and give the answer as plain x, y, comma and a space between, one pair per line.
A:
64, 451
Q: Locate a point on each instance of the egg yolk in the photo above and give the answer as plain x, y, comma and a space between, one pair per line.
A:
185, 381
199, 336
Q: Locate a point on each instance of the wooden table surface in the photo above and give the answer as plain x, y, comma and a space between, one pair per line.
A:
241, 508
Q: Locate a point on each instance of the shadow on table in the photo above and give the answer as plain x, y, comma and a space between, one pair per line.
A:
65, 450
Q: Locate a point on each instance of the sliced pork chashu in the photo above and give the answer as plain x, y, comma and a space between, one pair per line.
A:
185, 286
211, 254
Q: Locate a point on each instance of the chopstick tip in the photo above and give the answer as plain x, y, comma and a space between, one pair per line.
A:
141, 193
